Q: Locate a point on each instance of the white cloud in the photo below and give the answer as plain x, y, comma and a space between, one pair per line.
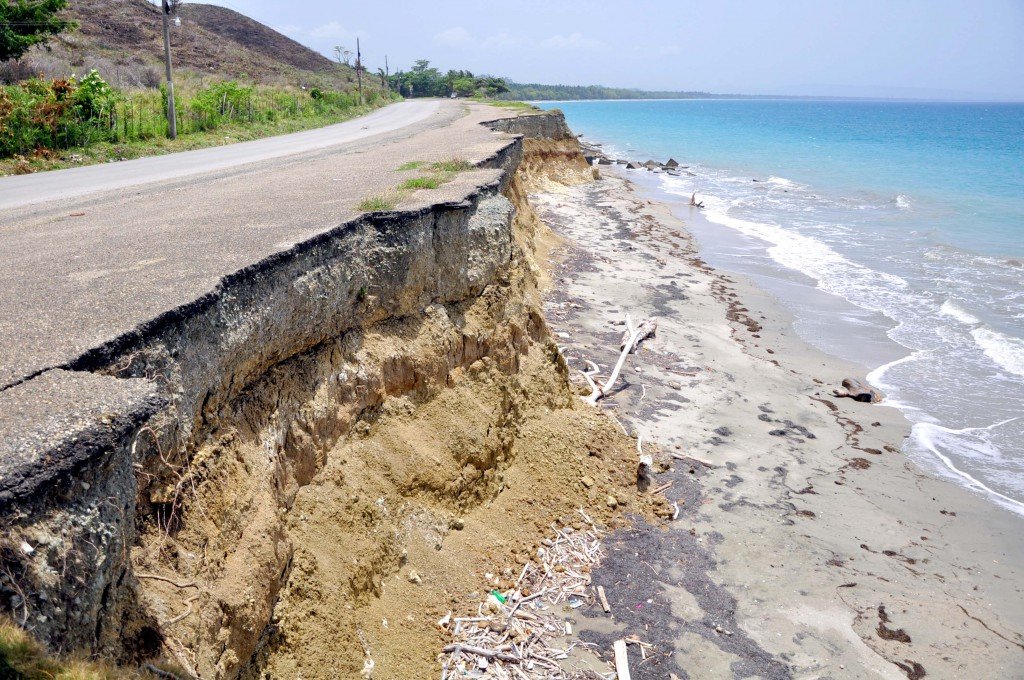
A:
332, 30
500, 41
453, 37
572, 42
669, 50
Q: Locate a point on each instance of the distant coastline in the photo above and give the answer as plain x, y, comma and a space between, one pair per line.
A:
534, 92
780, 98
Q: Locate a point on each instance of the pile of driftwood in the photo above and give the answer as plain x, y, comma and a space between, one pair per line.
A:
519, 634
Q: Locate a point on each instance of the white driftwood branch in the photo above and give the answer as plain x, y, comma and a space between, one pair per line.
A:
646, 329
621, 660
479, 651
632, 339
643, 470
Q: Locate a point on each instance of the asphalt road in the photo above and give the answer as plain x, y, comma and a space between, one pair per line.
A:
64, 184
90, 254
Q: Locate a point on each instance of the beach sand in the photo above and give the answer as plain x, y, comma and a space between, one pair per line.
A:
807, 546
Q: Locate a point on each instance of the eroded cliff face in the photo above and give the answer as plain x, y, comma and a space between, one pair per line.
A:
330, 422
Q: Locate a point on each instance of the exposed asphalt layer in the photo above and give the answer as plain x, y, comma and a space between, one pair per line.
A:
59, 421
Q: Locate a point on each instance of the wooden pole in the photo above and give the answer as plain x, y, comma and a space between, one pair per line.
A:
359, 71
172, 118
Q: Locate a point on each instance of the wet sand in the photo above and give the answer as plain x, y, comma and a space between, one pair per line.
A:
807, 545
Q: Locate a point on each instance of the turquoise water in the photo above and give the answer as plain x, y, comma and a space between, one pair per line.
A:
909, 217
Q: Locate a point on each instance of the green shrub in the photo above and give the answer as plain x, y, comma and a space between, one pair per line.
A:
94, 98
221, 103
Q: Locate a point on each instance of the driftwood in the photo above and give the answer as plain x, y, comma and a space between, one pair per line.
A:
480, 651
705, 463
631, 340
621, 660
859, 391
604, 600
661, 487
646, 329
645, 466
527, 625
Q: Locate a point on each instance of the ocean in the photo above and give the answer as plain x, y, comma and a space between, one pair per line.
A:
893, 232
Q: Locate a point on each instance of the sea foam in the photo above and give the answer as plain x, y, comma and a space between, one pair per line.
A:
969, 443
952, 309
1007, 352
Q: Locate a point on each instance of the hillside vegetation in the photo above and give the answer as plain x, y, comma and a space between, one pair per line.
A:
95, 93
123, 41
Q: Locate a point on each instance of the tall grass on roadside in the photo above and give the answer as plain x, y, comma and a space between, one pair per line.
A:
41, 115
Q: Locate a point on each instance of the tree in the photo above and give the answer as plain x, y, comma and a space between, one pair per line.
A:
343, 55
464, 87
423, 80
24, 23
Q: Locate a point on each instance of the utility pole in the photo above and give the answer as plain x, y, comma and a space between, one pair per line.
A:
172, 118
359, 71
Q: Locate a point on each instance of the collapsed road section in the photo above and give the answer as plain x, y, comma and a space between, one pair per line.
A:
221, 436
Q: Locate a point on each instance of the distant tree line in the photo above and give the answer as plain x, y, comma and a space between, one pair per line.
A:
536, 91
423, 80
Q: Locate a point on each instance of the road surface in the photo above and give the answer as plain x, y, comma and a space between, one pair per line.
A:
91, 254
64, 184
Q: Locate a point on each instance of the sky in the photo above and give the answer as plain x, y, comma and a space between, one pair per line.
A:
870, 48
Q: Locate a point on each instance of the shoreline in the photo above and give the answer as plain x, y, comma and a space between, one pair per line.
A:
824, 550
934, 461
871, 350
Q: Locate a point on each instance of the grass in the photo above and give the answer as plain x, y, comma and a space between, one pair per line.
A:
106, 152
440, 172
23, 658
428, 182
380, 203
522, 106
454, 165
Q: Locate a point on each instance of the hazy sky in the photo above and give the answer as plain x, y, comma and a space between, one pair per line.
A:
855, 47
